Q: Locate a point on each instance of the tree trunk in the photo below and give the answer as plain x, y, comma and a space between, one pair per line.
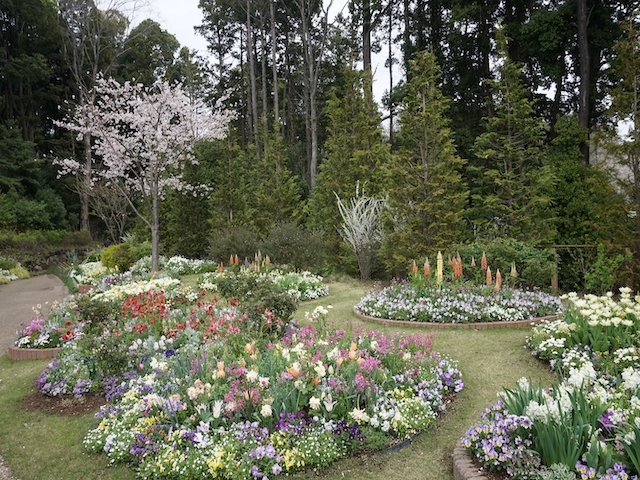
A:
276, 106
391, 109
263, 63
86, 183
252, 78
155, 231
366, 35
585, 76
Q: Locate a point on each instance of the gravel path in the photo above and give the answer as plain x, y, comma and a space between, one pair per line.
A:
17, 300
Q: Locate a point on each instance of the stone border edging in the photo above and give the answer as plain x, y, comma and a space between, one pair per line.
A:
463, 467
477, 326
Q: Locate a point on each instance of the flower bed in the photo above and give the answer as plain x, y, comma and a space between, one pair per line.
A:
271, 408
456, 303
589, 423
197, 391
201, 389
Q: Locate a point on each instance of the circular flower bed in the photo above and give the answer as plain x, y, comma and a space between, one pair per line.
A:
200, 389
456, 303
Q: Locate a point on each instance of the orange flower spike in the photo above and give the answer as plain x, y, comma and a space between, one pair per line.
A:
427, 268
489, 277
267, 260
498, 280
231, 260
237, 262
473, 261
483, 262
514, 272
414, 268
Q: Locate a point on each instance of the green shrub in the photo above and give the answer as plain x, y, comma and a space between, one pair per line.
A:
255, 294
118, 256
266, 295
605, 271
290, 244
241, 241
140, 250
96, 313
536, 266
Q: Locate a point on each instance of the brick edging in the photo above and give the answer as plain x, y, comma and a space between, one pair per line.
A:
463, 467
477, 326
16, 353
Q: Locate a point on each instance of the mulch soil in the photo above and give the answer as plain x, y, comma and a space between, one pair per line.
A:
67, 406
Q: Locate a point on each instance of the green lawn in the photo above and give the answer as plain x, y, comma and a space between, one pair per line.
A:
39, 446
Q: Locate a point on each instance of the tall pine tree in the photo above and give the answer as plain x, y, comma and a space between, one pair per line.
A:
513, 198
426, 193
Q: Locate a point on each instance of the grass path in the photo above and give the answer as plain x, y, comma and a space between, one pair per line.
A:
46, 447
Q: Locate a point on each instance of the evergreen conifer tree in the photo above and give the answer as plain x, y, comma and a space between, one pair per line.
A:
354, 151
426, 193
515, 184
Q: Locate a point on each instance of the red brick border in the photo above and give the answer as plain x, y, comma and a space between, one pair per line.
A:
477, 326
16, 353
463, 467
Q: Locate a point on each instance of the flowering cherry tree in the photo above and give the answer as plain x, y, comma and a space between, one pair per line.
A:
144, 137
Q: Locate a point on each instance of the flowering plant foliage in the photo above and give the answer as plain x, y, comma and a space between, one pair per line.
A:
89, 273
590, 420
456, 303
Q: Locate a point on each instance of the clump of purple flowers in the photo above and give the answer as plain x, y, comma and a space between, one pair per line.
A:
618, 472
500, 439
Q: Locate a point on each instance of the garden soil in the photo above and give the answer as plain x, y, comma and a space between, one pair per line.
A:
17, 300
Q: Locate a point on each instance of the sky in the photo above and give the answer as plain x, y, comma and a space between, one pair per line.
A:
178, 17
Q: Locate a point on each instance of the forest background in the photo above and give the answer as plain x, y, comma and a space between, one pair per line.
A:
504, 124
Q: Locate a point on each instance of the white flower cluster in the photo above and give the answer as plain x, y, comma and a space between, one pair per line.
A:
604, 310
553, 408
626, 355
8, 275
89, 273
